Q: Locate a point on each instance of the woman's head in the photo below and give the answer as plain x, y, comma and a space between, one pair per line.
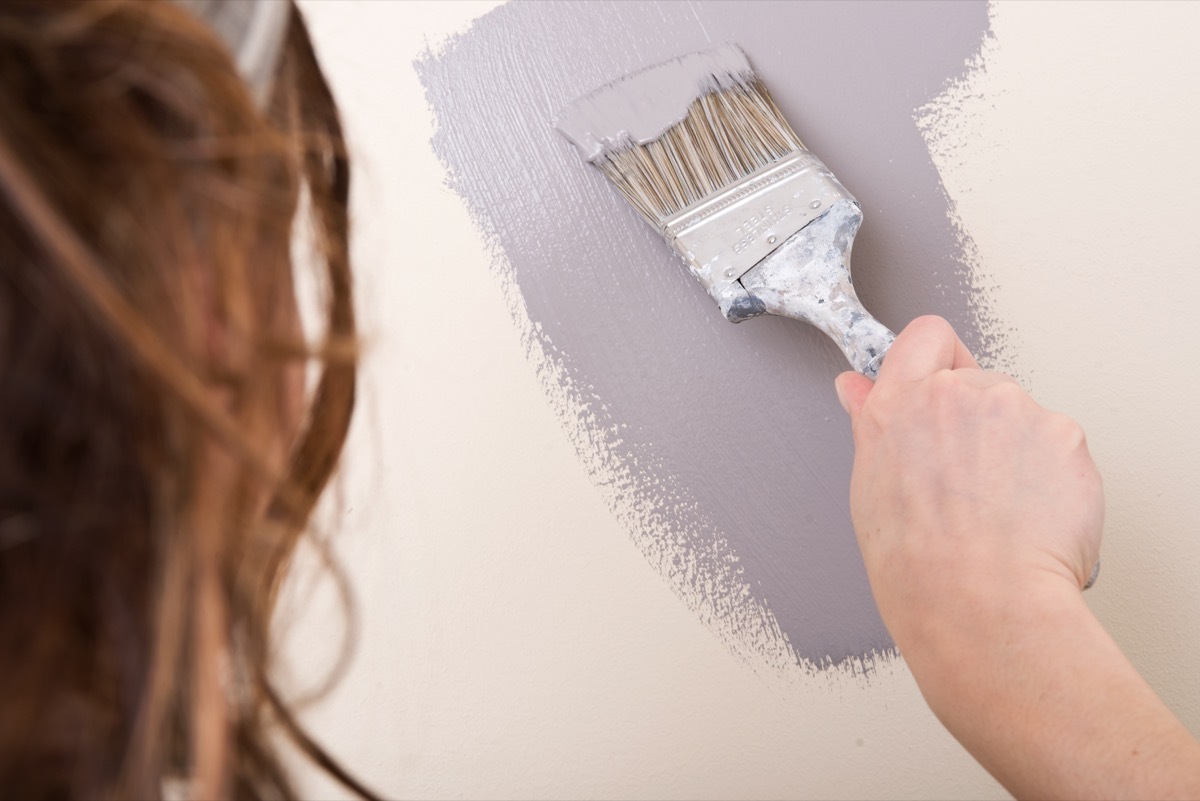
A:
158, 460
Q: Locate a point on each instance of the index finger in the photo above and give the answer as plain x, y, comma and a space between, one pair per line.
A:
926, 345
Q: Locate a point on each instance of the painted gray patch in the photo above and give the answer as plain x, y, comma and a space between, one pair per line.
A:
729, 439
661, 99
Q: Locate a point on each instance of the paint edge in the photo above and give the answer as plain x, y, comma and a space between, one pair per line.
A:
742, 623
941, 125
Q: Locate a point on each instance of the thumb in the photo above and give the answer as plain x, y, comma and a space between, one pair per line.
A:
852, 390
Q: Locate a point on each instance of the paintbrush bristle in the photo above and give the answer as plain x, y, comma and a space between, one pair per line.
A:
665, 156
726, 135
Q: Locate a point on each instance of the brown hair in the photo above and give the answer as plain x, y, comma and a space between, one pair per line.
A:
155, 473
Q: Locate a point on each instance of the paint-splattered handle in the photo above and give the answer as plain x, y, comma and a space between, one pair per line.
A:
808, 278
865, 341
871, 371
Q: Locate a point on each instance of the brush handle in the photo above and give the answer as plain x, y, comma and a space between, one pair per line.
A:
864, 340
808, 278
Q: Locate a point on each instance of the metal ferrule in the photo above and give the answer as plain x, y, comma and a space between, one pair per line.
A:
724, 236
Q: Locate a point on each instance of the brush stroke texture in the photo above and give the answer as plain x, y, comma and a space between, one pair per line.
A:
719, 447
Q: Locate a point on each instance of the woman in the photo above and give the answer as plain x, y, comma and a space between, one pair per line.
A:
160, 459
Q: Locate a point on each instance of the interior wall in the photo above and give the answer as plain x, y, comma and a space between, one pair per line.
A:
1070, 156
512, 641
721, 449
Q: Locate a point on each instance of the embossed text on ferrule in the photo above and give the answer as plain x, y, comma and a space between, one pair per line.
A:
757, 224
723, 236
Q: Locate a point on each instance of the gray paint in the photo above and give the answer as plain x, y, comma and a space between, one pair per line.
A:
725, 440
661, 99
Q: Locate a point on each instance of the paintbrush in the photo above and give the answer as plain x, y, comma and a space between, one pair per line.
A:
698, 147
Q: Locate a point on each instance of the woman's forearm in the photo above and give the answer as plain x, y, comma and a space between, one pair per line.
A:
979, 514
1040, 694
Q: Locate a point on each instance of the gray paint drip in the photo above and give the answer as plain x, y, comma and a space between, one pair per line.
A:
725, 454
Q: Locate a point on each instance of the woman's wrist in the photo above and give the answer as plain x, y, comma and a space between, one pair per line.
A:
990, 625
1031, 684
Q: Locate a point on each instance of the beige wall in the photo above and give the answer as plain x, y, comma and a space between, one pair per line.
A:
513, 643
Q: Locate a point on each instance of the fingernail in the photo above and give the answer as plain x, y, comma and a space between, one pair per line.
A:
837, 387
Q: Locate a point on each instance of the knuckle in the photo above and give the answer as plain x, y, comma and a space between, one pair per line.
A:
933, 325
1067, 431
945, 391
1007, 398
1009, 391
944, 382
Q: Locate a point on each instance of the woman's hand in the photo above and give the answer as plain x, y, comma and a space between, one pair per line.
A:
963, 486
979, 516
